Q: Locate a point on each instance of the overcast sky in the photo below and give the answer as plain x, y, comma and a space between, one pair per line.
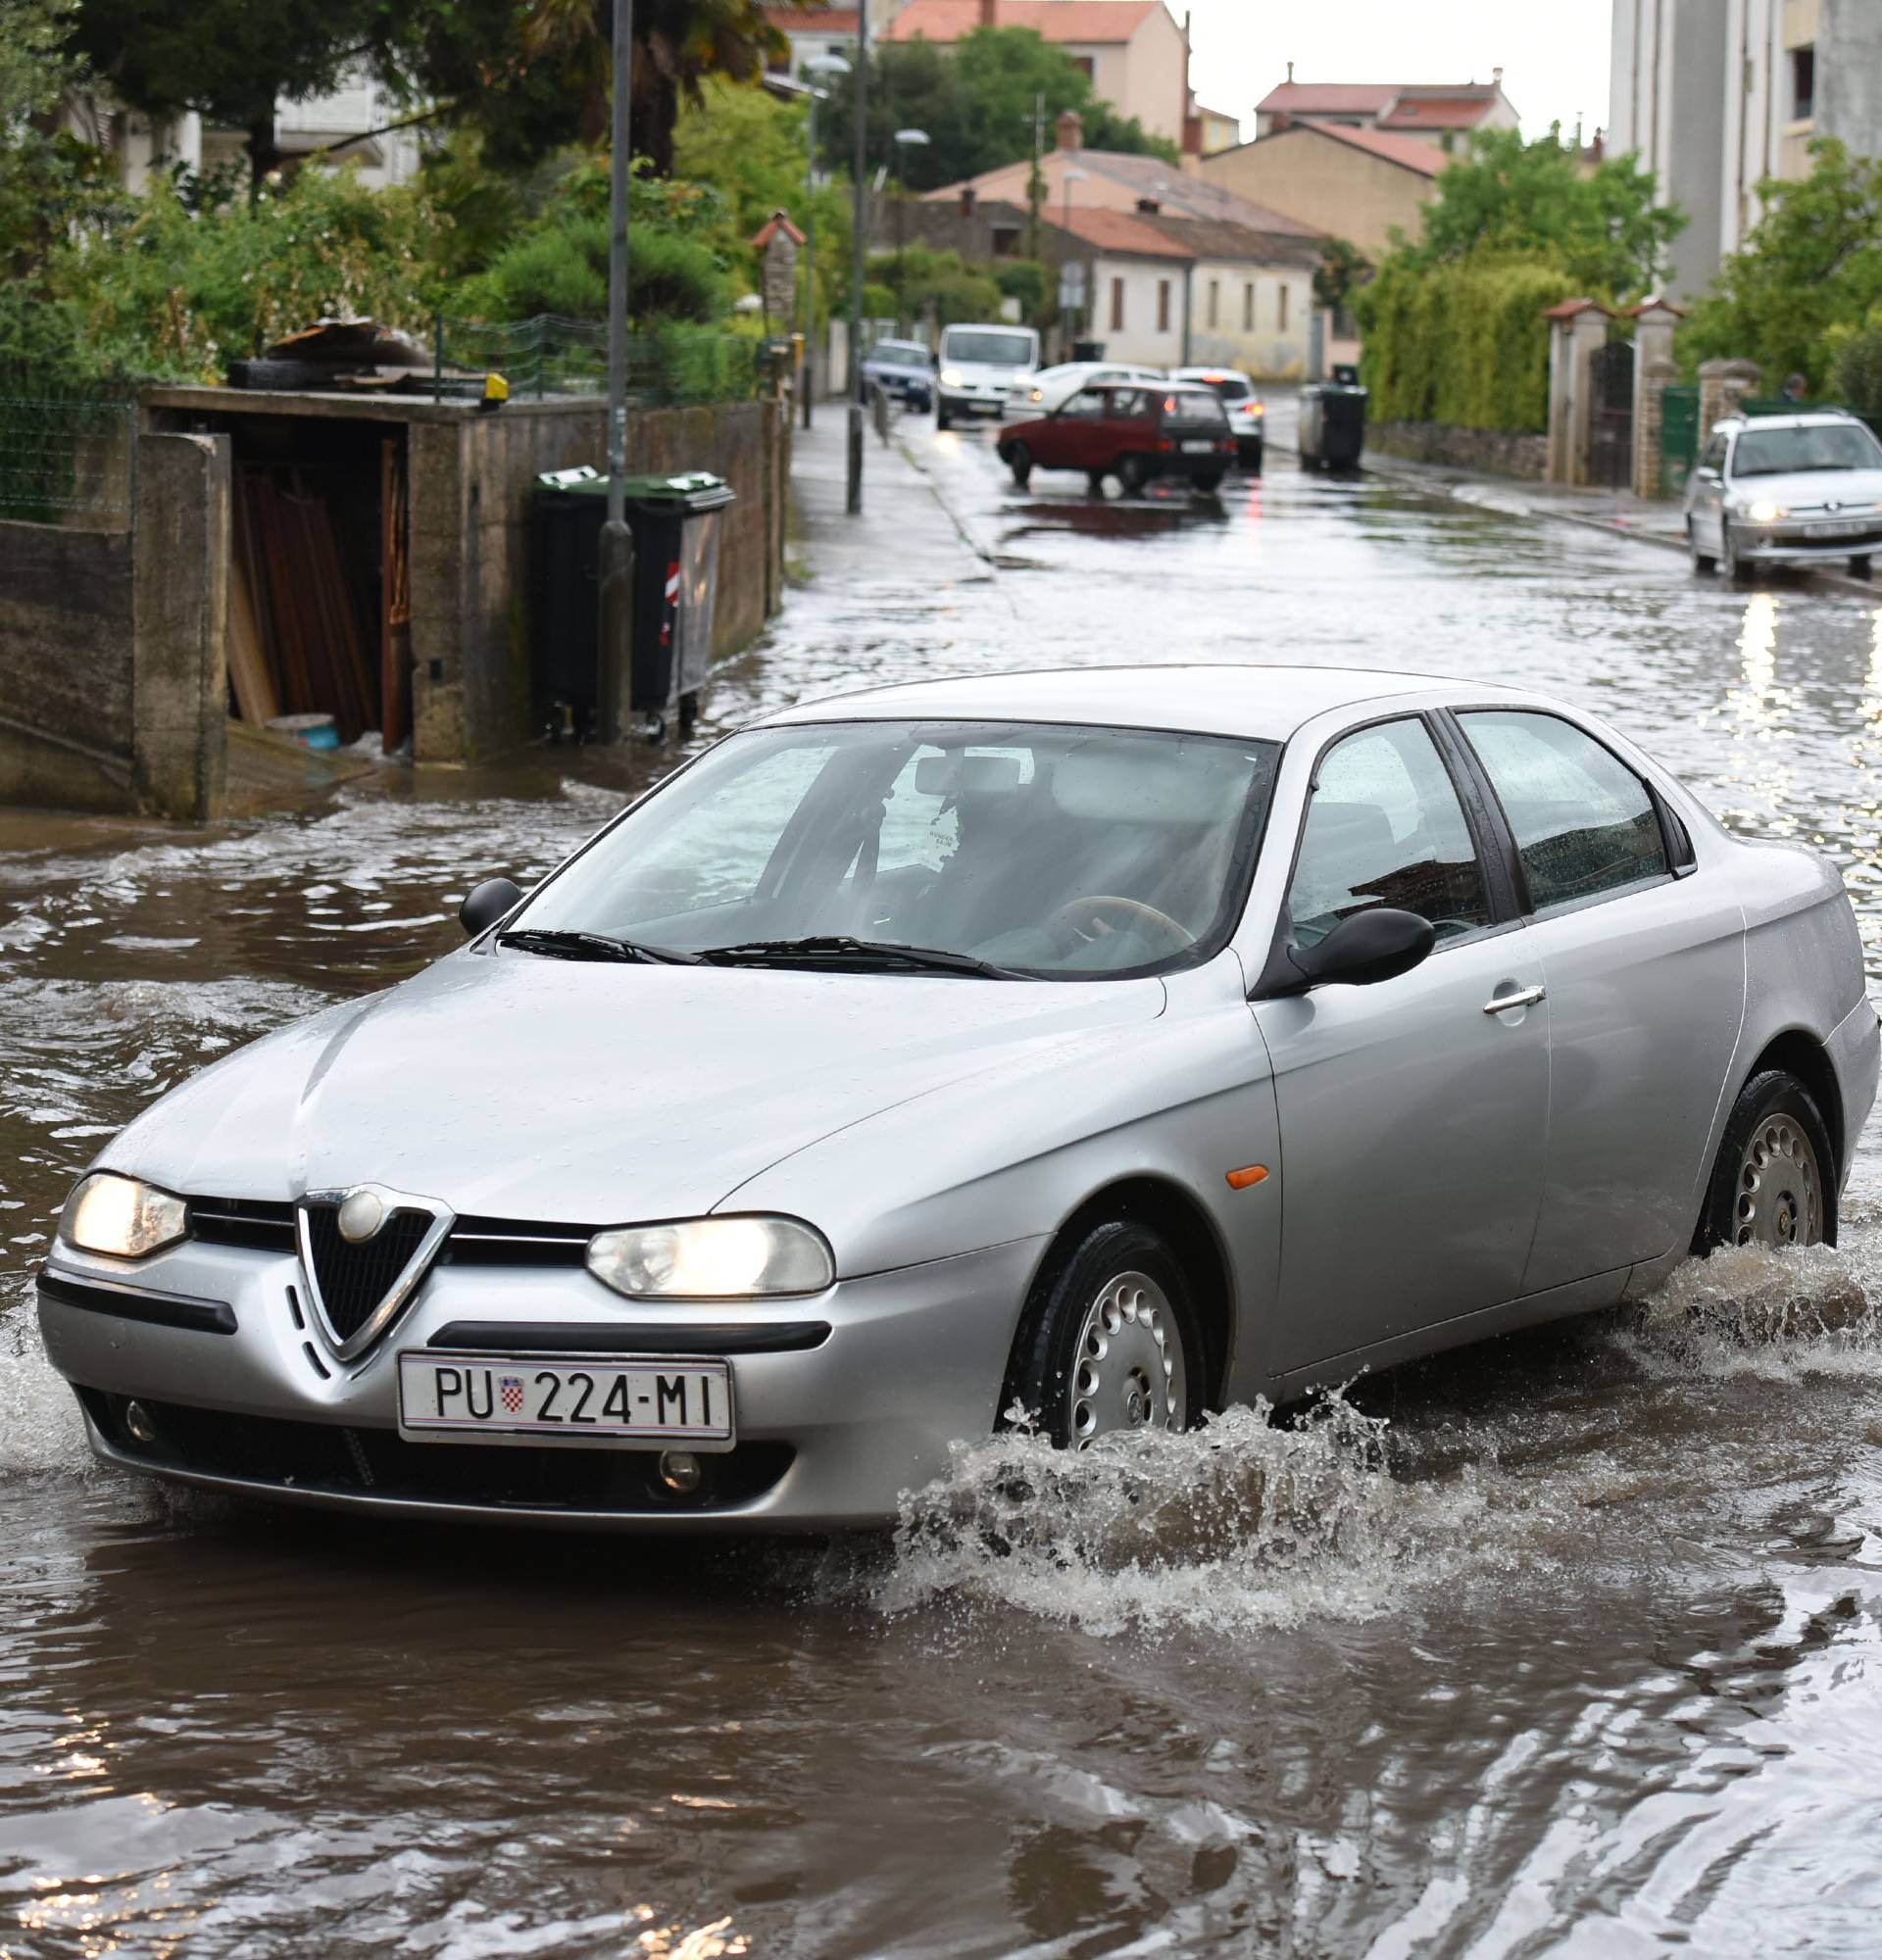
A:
1554, 58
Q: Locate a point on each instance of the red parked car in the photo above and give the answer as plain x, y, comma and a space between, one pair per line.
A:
1131, 430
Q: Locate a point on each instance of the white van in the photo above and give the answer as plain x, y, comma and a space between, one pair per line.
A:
979, 364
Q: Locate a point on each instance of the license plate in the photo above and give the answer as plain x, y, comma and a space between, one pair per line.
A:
599, 1398
1841, 528
1198, 448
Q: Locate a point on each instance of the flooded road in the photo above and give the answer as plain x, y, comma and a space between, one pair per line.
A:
1566, 1646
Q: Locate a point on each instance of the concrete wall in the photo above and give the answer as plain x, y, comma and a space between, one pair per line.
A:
471, 483
1499, 451
1145, 76
1134, 334
1326, 183
112, 647
1261, 322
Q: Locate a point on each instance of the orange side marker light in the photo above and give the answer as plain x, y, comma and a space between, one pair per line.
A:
1240, 1180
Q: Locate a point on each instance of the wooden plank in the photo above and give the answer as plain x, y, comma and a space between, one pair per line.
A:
248, 671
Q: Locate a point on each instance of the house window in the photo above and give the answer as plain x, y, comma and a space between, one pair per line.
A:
1280, 316
1802, 84
1116, 306
1163, 305
1214, 300
1083, 64
1247, 308
1005, 241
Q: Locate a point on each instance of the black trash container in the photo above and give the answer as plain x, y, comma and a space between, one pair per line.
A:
1332, 431
675, 525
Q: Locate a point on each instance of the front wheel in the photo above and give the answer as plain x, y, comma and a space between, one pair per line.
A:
1206, 482
1701, 560
1132, 476
1729, 562
1773, 1183
942, 419
1019, 459
1109, 1340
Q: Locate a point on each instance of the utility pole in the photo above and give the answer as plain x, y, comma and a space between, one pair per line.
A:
859, 241
1036, 186
614, 678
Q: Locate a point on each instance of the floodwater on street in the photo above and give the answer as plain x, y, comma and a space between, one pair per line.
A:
1569, 1644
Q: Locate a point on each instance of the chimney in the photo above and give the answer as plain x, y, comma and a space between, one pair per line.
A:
1290, 71
989, 13
966, 200
1071, 130
1496, 77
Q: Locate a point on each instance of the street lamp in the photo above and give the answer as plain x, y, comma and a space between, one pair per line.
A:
858, 238
905, 139
824, 64
1071, 177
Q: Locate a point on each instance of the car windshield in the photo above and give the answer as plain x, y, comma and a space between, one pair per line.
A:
1230, 387
1051, 852
1195, 405
1778, 452
900, 353
988, 345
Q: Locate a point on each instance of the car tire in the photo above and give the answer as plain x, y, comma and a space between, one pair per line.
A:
1252, 460
1701, 560
1132, 474
1206, 482
1095, 482
942, 419
1774, 1179
1859, 566
1729, 562
1019, 459
1109, 1340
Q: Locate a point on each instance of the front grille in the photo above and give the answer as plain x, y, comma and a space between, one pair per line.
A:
518, 1242
380, 1464
353, 1279
254, 1222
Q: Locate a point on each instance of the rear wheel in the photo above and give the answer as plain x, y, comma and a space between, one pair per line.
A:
1019, 459
1109, 1340
1206, 482
1701, 560
1773, 1183
1132, 474
1095, 482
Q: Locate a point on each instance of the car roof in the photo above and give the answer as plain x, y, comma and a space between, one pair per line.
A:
1802, 419
1259, 702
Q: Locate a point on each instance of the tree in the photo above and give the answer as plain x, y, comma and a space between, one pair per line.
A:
1342, 268
977, 103
230, 60
1810, 265
49, 180
1507, 197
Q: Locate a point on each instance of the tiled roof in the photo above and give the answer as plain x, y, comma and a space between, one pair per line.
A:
1121, 231
1185, 195
1329, 98
1413, 153
1086, 21
812, 19
1222, 238
1437, 112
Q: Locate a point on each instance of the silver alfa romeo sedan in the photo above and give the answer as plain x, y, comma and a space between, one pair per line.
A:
1107, 1046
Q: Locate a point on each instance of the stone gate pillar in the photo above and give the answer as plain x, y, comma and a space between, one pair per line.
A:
1578, 330
1722, 386
1654, 371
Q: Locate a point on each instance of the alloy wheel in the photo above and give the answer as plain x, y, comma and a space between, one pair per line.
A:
1129, 1370
1780, 1187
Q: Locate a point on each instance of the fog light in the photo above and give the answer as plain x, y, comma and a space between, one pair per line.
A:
680, 1471
139, 1424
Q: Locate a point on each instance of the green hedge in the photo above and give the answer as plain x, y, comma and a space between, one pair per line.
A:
1464, 344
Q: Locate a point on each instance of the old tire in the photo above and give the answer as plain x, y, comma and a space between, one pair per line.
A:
1701, 560
1109, 1340
1019, 459
1132, 474
1774, 1179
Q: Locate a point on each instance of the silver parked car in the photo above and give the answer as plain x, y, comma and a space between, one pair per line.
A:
1798, 489
1117, 1044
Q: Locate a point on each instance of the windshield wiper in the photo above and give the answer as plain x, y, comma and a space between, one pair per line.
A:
560, 944
840, 949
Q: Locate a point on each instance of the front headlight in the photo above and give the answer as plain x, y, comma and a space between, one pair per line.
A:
122, 1216
951, 377
1765, 511
713, 1258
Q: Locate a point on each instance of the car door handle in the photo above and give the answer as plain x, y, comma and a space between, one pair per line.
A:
1523, 997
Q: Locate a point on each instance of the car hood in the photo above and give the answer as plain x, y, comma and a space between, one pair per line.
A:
1805, 488
1002, 373
517, 1087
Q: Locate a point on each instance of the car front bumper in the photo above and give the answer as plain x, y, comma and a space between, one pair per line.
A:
1767, 545
973, 400
882, 1374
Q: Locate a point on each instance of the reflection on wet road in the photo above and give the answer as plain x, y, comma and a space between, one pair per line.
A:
1566, 1646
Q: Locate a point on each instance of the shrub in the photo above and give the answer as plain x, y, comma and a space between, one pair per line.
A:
561, 268
1855, 365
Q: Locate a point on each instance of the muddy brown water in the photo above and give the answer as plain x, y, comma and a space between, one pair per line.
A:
1566, 1646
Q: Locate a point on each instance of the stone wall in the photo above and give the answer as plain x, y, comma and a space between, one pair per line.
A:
112, 648
1500, 452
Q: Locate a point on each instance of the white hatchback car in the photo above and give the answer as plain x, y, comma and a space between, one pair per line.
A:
1793, 489
1051, 387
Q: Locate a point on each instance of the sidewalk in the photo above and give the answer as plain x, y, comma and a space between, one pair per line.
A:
904, 529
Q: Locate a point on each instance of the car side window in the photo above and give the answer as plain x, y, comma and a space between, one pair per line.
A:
1385, 828
1584, 823
1130, 402
1088, 402
1715, 456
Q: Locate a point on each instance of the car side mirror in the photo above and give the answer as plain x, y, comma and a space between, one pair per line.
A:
1370, 946
485, 904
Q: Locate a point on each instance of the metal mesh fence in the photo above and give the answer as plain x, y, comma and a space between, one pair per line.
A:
550, 355
66, 461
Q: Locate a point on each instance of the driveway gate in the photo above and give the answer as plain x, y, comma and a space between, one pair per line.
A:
1611, 417
1678, 437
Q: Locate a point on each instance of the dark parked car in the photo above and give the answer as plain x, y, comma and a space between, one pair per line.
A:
1128, 430
1247, 412
904, 370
